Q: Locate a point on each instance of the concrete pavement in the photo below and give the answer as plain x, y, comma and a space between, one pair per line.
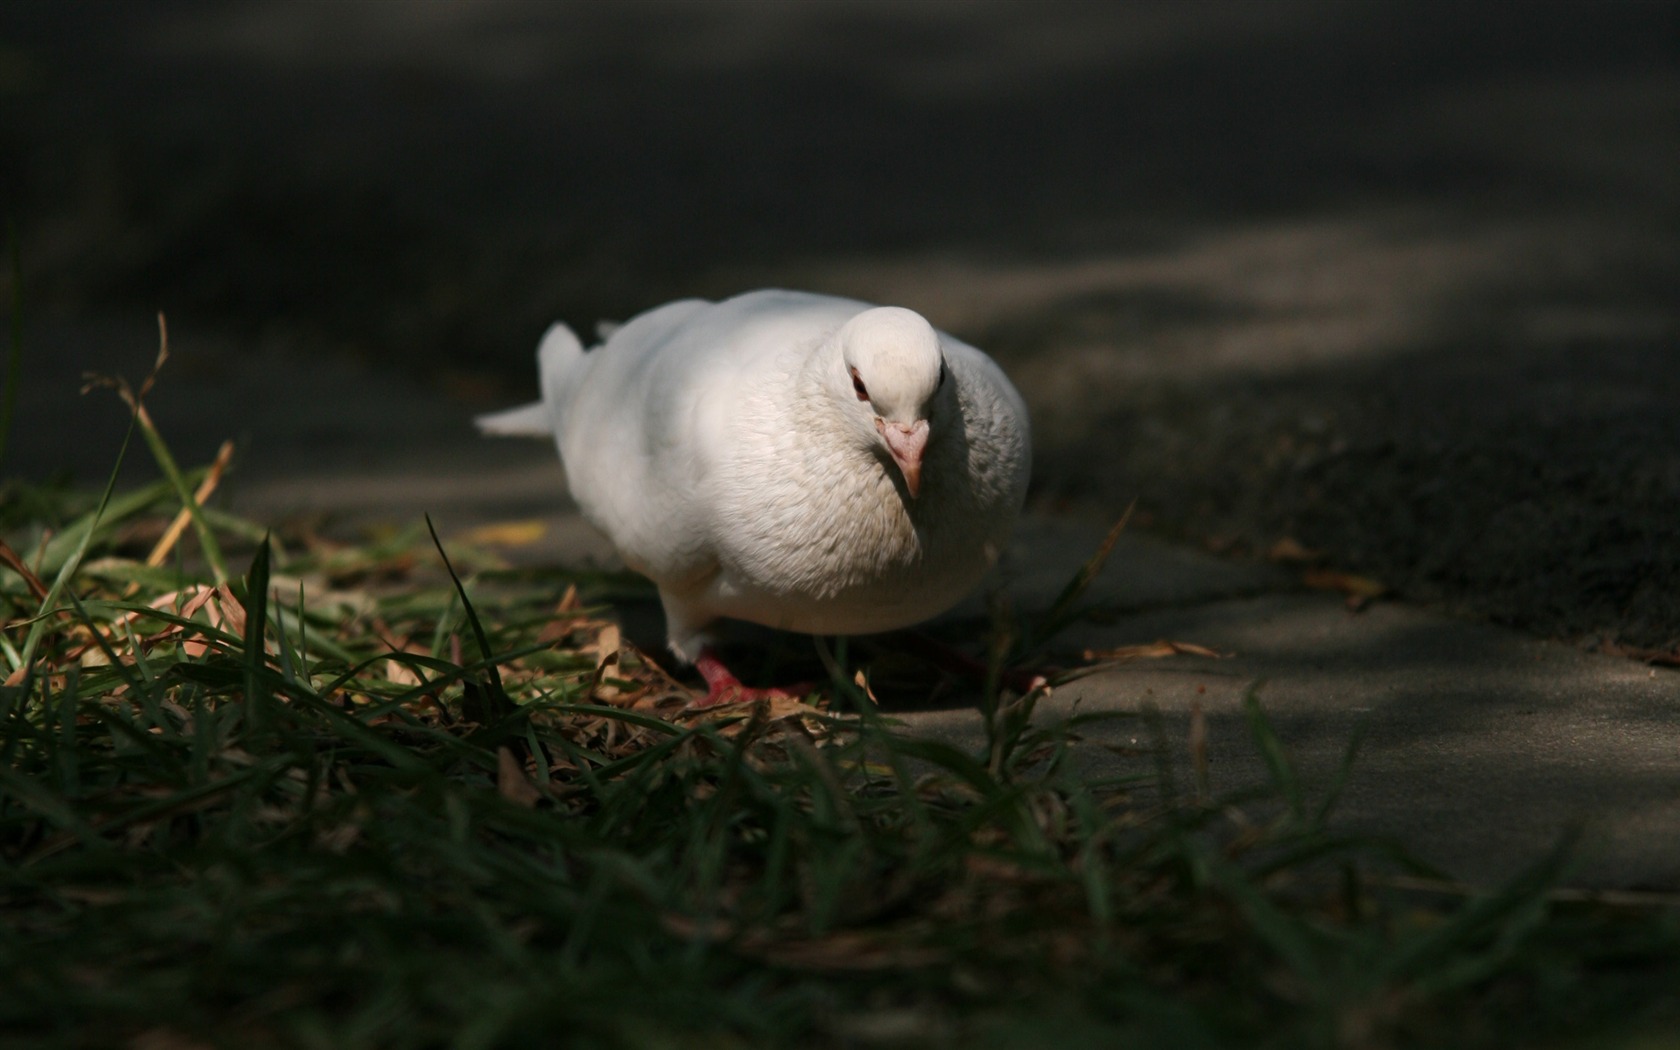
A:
1482, 746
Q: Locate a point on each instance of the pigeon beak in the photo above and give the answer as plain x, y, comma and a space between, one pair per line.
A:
906, 442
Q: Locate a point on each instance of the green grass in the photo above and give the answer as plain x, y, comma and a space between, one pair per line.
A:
348, 799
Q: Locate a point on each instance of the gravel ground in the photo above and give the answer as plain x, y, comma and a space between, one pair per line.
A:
1395, 282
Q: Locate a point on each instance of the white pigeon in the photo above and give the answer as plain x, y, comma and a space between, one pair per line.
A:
801, 461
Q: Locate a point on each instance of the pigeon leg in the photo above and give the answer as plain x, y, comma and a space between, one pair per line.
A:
722, 687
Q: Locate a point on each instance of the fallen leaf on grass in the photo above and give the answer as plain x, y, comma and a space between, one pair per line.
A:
400, 673
862, 683
11, 560
512, 782
607, 644
606, 649
177, 527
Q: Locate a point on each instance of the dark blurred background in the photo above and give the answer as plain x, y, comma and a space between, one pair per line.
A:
1396, 281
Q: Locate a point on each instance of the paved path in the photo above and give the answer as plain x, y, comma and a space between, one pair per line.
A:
1482, 745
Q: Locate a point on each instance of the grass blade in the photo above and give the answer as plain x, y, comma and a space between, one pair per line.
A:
49, 605
497, 694
1064, 610
1344, 770
254, 655
1272, 752
166, 462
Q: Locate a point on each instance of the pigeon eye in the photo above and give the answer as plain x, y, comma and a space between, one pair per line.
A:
857, 385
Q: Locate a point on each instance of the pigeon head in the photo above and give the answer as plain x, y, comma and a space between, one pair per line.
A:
895, 367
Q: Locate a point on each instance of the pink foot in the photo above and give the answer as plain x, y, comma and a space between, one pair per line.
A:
722, 687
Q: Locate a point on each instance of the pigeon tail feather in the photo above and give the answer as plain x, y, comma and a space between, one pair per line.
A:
525, 421
561, 363
559, 349
556, 355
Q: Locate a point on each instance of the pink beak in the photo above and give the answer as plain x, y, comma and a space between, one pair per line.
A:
906, 442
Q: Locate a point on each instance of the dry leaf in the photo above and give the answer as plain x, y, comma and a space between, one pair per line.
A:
569, 600
1153, 651
863, 684
512, 782
505, 534
1346, 582
1360, 590
206, 488
400, 673
1289, 549
226, 612
607, 645
10, 558
339, 839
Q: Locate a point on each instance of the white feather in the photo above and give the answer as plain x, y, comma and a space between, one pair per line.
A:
525, 421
